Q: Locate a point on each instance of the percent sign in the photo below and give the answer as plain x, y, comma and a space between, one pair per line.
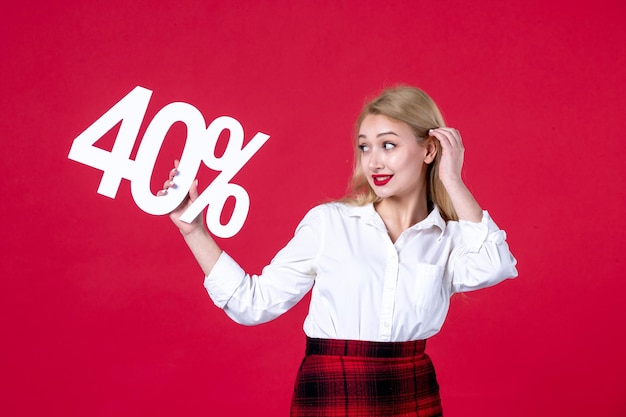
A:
199, 147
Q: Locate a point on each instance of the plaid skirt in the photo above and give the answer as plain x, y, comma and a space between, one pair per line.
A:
359, 378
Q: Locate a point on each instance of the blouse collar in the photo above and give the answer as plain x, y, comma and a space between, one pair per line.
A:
368, 214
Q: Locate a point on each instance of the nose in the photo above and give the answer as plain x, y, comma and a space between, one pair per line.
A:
375, 161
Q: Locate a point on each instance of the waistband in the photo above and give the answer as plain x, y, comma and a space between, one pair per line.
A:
361, 348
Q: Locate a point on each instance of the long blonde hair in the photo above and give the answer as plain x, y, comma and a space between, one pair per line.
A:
415, 108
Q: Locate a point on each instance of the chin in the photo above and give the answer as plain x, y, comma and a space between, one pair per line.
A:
383, 195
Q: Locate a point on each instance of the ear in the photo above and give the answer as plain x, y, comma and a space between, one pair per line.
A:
431, 150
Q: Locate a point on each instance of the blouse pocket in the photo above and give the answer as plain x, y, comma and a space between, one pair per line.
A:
428, 285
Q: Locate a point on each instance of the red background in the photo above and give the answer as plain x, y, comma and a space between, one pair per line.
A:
103, 309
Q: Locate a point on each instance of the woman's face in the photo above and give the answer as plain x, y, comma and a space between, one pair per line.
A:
392, 159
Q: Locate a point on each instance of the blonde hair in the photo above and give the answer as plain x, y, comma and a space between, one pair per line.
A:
415, 108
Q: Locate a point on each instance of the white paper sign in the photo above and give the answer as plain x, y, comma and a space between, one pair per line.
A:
199, 148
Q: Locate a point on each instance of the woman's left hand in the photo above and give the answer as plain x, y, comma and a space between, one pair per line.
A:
452, 154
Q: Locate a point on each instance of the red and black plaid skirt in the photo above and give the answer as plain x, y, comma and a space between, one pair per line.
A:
359, 378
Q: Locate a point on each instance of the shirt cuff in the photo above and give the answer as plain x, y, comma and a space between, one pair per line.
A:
475, 234
224, 279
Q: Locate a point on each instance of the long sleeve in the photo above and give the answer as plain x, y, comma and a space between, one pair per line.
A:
254, 299
482, 257
364, 286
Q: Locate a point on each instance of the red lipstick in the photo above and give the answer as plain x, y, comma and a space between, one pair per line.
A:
380, 180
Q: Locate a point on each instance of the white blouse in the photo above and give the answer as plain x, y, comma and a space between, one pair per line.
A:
365, 287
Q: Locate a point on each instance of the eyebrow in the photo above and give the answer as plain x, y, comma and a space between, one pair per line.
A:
380, 134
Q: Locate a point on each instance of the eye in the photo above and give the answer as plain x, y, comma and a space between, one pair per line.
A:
363, 148
388, 145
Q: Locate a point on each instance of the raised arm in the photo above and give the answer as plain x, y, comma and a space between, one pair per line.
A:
483, 259
204, 248
465, 205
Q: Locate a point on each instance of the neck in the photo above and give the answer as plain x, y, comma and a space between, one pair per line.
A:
398, 215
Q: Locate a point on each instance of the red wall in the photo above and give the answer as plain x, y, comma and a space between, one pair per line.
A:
103, 309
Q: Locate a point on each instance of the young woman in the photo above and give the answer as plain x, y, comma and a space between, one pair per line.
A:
382, 265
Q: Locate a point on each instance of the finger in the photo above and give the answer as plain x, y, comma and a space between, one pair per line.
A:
193, 190
161, 193
174, 170
449, 138
168, 184
442, 136
453, 135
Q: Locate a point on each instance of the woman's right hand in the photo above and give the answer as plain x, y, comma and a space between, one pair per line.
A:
197, 224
